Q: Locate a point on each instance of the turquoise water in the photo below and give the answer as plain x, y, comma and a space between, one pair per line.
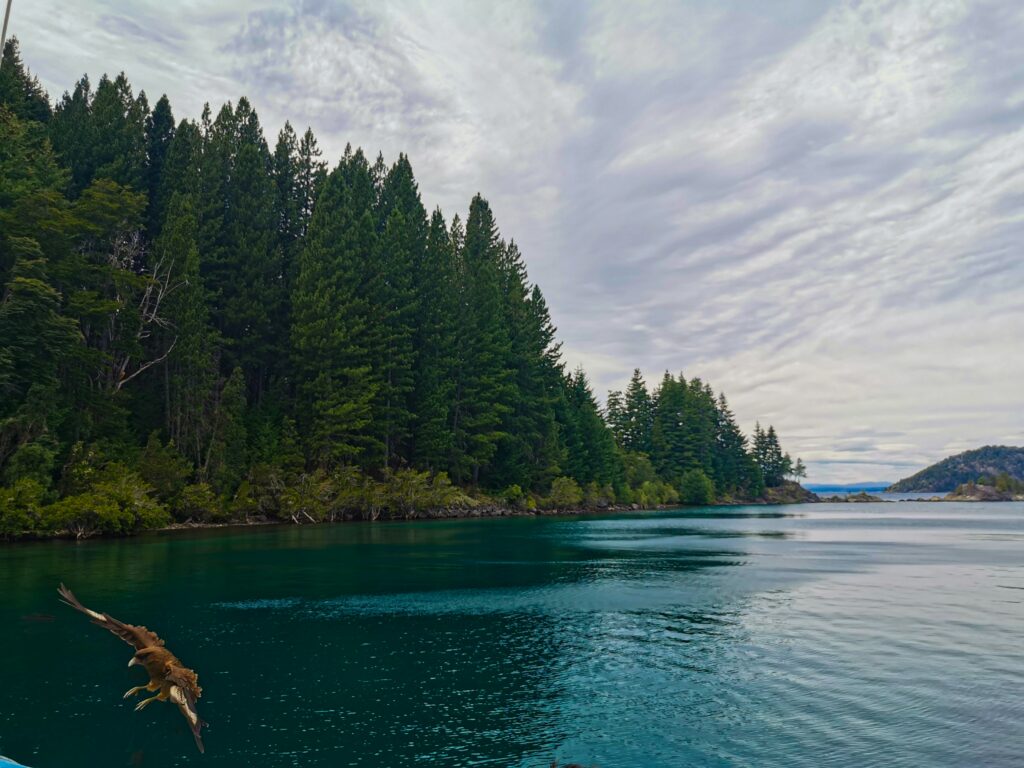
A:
828, 635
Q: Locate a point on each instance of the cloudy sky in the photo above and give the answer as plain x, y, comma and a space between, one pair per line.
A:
816, 206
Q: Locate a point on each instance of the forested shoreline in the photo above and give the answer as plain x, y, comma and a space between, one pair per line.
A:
198, 326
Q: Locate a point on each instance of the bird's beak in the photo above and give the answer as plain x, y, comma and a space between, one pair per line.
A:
133, 662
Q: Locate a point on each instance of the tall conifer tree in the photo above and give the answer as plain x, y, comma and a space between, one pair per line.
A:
159, 135
329, 315
191, 364
484, 376
436, 342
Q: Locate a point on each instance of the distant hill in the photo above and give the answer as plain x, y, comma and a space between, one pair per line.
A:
870, 487
946, 475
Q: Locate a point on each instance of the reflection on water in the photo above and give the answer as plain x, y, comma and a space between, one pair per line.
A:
834, 635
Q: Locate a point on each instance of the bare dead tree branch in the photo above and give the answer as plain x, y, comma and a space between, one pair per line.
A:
146, 366
126, 257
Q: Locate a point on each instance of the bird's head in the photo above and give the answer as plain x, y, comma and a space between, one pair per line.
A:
140, 657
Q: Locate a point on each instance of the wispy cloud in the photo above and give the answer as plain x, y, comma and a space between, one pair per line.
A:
817, 207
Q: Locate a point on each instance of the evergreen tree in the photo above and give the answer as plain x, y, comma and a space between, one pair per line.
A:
393, 304
159, 135
698, 424
102, 135
229, 459
288, 456
671, 454
332, 363
73, 134
254, 259
119, 120
20, 91
530, 453
180, 173
436, 338
638, 416
191, 370
735, 473
38, 338
485, 389
312, 173
299, 174
774, 465
549, 452
799, 469
615, 416
592, 456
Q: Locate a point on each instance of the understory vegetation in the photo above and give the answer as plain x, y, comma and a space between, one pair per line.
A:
1002, 485
198, 326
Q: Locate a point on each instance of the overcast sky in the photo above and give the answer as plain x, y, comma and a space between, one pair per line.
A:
818, 207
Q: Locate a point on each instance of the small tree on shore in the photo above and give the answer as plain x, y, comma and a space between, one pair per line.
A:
696, 488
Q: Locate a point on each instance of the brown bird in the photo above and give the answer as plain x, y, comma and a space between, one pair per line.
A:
167, 675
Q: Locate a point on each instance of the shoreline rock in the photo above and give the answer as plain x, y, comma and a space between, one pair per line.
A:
974, 492
855, 498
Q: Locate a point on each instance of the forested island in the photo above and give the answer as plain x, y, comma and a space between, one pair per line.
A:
985, 466
198, 326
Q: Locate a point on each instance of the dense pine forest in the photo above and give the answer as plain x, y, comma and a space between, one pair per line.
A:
198, 326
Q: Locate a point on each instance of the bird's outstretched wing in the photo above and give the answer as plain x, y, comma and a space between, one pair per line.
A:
184, 692
137, 637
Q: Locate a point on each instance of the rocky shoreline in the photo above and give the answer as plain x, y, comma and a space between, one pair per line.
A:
789, 493
854, 498
477, 512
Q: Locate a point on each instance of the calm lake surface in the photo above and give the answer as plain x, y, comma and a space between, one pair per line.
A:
819, 635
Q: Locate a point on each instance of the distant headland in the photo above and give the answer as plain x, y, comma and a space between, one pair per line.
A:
987, 466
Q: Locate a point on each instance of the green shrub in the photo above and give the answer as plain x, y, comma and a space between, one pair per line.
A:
669, 494
163, 468
259, 494
21, 508
696, 488
444, 494
199, 502
626, 495
565, 494
85, 514
399, 493
599, 496
513, 496
83, 468
309, 498
32, 461
655, 492
639, 469
119, 502
406, 491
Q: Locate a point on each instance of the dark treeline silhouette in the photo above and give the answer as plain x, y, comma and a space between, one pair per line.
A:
195, 324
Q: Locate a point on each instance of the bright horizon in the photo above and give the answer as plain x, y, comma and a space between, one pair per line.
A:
816, 208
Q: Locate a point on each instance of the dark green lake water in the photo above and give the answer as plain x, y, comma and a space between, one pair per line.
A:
829, 635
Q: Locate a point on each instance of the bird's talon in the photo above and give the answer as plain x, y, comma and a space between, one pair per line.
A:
144, 703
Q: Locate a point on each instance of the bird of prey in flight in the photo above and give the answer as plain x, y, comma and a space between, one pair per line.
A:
168, 678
